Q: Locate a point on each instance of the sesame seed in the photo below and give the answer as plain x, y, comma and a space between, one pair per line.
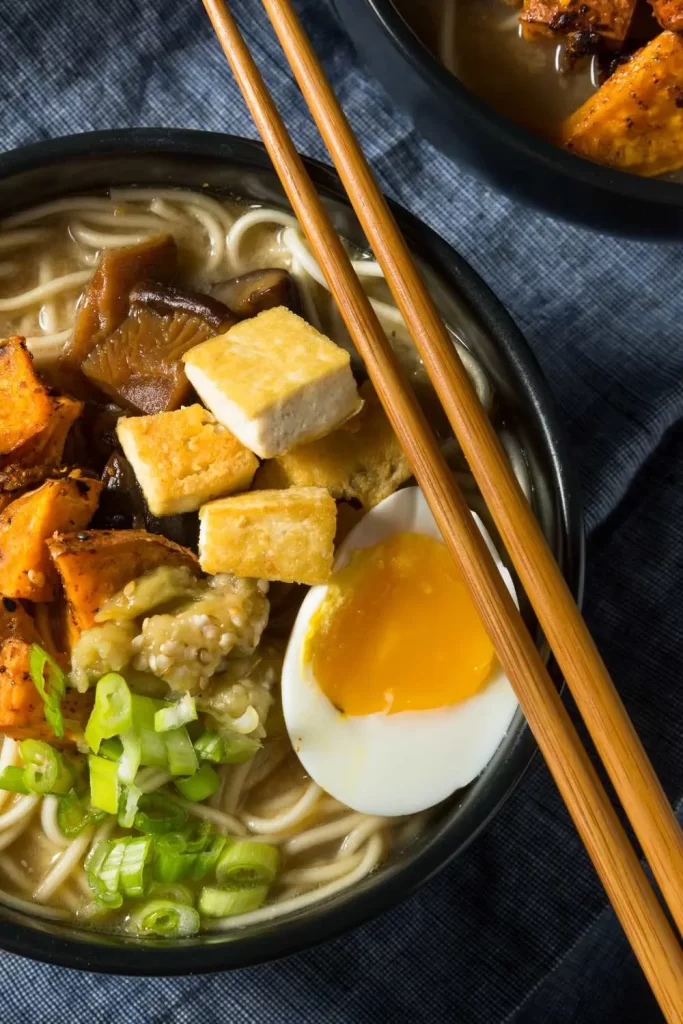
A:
153, 663
204, 657
129, 589
237, 618
226, 641
190, 653
200, 620
141, 663
136, 642
145, 623
36, 577
211, 632
172, 648
162, 664
262, 586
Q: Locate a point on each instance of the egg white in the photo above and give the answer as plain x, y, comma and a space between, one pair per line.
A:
409, 761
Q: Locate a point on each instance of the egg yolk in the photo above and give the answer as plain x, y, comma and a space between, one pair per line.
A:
398, 631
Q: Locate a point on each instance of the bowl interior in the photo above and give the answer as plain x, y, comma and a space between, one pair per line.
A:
225, 165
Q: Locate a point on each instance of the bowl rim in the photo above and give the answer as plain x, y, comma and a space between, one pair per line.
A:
500, 128
324, 922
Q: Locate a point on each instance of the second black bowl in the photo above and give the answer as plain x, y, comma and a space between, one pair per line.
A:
493, 147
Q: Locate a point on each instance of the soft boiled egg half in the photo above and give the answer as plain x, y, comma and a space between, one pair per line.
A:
391, 690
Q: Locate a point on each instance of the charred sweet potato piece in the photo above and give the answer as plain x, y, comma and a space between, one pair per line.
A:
26, 569
25, 405
140, 366
250, 294
635, 120
16, 480
22, 714
47, 447
669, 13
610, 19
95, 564
105, 304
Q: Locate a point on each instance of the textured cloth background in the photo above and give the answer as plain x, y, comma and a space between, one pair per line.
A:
518, 929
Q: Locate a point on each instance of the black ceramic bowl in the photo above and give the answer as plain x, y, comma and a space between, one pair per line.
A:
510, 158
223, 164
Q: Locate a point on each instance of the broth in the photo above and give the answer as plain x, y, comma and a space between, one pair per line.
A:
47, 256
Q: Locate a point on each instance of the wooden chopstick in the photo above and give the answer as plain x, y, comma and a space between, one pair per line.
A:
619, 868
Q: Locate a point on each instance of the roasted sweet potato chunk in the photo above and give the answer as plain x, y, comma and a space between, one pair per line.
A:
95, 564
25, 405
635, 120
26, 569
22, 714
608, 18
669, 13
140, 364
47, 447
105, 304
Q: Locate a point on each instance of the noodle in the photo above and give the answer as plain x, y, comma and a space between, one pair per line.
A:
68, 861
23, 808
296, 814
48, 820
45, 291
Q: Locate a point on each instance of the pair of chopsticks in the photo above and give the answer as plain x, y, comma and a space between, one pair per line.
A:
635, 782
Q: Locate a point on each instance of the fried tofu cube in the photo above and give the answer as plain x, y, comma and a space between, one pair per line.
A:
274, 381
185, 458
635, 120
26, 570
361, 460
25, 405
609, 18
669, 13
273, 535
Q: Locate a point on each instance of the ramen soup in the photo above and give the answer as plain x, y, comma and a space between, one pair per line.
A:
237, 665
603, 79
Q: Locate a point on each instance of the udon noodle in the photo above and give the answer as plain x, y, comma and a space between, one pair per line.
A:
47, 256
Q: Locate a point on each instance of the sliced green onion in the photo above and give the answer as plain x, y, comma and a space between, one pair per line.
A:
12, 780
157, 815
225, 749
110, 870
130, 757
200, 786
128, 805
177, 893
164, 918
182, 759
206, 860
112, 713
247, 864
104, 784
46, 771
198, 838
228, 902
74, 813
50, 688
93, 865
238, 749
152, 745
209, 747
133, 876
172, 862
111, 748
174, 715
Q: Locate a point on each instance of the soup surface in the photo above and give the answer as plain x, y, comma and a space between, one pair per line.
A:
148, 780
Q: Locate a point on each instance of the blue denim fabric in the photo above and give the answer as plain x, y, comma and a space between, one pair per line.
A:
518, 929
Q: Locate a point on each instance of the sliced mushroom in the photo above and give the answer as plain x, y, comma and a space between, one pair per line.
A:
257, 291
140, 364
105, 303
167, 299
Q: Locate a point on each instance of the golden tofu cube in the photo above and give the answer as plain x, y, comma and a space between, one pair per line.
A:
274, 381
360, 460
635, 120
272, 535
184, 458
